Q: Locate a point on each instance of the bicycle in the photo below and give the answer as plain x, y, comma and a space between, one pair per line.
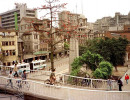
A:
57, 83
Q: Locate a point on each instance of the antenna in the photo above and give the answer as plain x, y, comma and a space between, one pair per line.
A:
82, 6
76, 8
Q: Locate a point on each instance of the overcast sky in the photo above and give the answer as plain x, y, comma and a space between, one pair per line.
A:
92, 9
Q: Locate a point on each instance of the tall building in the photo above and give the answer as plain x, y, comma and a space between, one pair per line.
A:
9, 46
21, 10
102, 25
71, 21
112, 23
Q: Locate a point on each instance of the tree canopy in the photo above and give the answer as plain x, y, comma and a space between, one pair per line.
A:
95, 62
113, 50
104, 70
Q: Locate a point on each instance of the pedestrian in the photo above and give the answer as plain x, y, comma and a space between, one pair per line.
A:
15, 71
10, 76
109, 83
126, 78
24, 76
120, 84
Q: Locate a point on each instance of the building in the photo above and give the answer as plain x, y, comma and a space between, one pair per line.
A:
36, 39
21, 10
75, 24
102, 25
112, 23
9, 46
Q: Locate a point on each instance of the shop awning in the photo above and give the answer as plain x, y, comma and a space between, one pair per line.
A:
41, 53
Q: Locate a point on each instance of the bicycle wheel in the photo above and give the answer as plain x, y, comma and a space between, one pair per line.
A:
47, 81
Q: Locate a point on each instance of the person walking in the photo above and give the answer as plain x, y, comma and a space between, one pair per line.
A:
24, 76
126, 78
109, 83
10, 76
120, 84
15, 71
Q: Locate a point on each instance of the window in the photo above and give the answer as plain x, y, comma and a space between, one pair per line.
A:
13, 52
6, 43
3, 43
6, 53
4, 64
35, 37
3, 53
8, 64
9, 42
36, 47
10, 52
12, 42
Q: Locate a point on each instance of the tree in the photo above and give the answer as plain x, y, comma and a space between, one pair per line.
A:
104, 70
54, 8
113, 50
82, 49
66, 46
90, 59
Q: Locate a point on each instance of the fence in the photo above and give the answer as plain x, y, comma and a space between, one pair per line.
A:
73, 80
5, 95
68, 93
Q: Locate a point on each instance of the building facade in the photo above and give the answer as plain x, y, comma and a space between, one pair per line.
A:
112, 23
9, 46
76, 24
8, 17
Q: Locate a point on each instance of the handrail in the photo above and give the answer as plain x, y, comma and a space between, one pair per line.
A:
38, 82
70, 93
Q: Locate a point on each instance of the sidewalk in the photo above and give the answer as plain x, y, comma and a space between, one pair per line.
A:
126, 87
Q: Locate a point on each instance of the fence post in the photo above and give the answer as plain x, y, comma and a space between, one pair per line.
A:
63, 79
91, 83
10, 97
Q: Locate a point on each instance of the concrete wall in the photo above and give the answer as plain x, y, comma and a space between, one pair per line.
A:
68, 93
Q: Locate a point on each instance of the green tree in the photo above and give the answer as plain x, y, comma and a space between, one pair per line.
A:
104, 71
92, 60
113, 50
66, 46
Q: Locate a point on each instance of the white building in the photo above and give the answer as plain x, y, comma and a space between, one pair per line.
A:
8, 17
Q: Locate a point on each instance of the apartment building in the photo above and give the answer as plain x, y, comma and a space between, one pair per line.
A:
30, 37
34, 33
8, 45
76, 24
112, 23
102, 25
21, 10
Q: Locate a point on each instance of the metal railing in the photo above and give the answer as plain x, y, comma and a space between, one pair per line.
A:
68, 93
73, 80
6, 96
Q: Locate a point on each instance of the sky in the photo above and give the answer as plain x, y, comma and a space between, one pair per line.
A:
92, 9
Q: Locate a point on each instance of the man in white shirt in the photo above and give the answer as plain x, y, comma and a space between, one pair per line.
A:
10, 76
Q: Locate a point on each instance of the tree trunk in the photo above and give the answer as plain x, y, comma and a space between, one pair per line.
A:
116, 68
